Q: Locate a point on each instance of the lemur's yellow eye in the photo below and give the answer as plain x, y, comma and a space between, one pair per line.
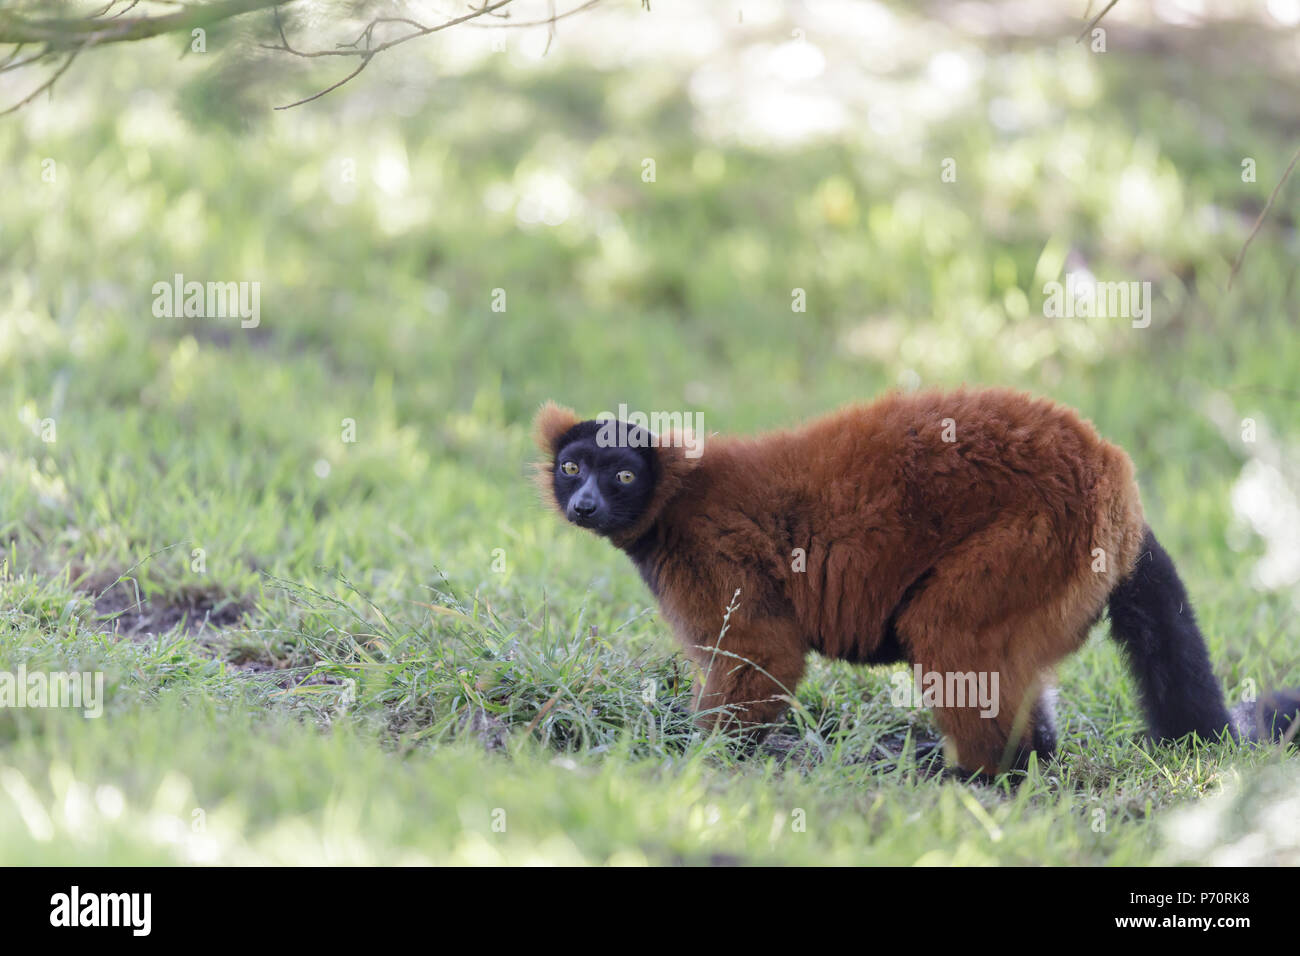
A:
625, 477
569, 467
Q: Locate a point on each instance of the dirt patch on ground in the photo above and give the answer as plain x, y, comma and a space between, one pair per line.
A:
122, 610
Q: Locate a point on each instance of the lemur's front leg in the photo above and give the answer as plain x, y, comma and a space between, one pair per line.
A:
748, 676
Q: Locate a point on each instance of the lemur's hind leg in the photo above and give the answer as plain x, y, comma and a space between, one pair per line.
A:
1005, 606
1007, 708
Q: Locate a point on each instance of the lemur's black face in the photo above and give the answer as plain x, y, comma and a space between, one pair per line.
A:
604, 476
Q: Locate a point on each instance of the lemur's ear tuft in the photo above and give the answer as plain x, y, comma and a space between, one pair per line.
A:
551, 423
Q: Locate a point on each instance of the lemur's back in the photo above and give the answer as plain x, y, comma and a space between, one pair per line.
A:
853, 510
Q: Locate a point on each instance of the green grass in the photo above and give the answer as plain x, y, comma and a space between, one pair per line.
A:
382, 651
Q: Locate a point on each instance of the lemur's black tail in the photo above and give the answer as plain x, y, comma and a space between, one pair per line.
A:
1151, 618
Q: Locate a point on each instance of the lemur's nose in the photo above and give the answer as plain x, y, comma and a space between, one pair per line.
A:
584, 509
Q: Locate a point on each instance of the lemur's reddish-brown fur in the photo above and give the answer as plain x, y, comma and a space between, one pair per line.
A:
994, 551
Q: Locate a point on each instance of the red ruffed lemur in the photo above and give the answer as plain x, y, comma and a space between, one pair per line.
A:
977, 531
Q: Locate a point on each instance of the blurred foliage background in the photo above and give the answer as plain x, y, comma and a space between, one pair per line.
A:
794, 146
